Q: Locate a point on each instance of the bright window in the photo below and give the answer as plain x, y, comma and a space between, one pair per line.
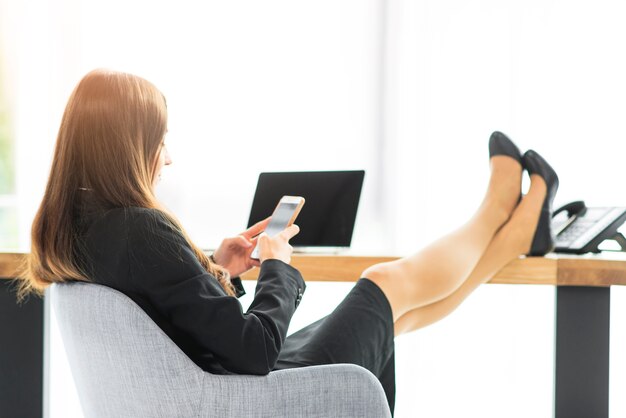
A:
8, 201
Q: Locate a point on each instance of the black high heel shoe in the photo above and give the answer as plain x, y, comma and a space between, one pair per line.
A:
543, 241
500, 144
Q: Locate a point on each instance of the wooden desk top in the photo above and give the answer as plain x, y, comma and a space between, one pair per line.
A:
588, 270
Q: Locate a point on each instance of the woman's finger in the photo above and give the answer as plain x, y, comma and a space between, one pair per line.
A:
263, 238
243, 241
290, 232
257, 228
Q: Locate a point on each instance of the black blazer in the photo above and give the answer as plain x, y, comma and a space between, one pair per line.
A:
140, 253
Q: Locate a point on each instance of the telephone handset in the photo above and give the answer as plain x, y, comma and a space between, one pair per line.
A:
580, 229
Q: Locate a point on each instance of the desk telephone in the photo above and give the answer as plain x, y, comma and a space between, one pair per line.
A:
580, 229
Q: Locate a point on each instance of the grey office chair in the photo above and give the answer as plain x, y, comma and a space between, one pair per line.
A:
124, 365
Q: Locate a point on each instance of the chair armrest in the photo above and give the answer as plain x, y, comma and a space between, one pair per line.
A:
338, 390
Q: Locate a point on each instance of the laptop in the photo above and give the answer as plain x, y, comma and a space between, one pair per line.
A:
327, 218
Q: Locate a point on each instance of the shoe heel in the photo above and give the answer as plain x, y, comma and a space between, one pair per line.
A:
543, 240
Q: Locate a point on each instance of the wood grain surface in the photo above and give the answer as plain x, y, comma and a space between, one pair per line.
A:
588, 270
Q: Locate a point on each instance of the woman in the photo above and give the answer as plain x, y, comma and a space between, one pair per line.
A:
100, 221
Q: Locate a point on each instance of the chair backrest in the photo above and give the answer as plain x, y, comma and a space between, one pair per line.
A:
123, 364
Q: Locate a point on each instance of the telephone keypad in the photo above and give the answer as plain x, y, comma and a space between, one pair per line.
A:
570, 235
582, 231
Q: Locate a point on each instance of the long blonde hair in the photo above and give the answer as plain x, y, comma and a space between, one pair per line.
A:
109, 140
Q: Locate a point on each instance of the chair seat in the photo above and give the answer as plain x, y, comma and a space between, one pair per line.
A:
124, 365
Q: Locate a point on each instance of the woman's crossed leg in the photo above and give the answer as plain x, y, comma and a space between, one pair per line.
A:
428, 285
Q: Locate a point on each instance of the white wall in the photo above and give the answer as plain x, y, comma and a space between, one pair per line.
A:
549, 74
251, 86
409, 91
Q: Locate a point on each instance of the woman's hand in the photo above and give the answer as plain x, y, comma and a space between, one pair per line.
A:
234, 253
277, 247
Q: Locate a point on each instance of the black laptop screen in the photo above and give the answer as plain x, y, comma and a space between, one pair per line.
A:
331, 202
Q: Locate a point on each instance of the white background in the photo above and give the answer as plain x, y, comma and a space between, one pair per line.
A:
408, 91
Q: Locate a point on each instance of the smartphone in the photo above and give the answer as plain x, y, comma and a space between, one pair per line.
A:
284, 215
